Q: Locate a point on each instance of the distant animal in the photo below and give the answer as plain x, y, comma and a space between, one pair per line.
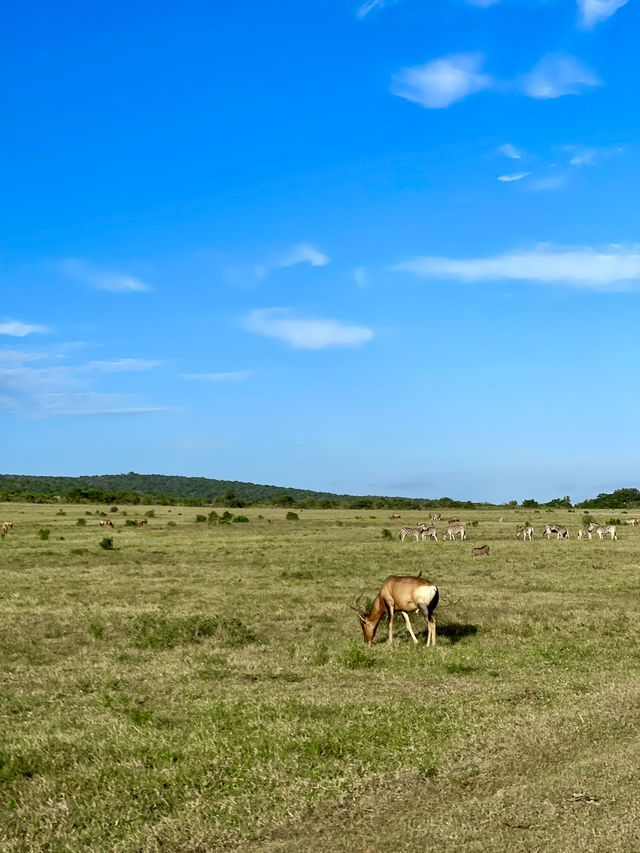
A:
604, 530
454, 519
525, 533
584, 533
106, 522
453, 530
435, 516
412, 531
406, 594
143, 521
394, 515
501, 518
631, 521
6, 527
562, 532
637, 522
482, 551
429, 533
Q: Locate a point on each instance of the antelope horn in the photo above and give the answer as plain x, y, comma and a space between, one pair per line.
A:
355, 605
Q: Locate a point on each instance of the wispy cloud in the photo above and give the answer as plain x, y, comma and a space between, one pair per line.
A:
516, 176
303, 253
590, 156
121, 365
364, 9
18, 329
510, 151
233, 376
591, 12
557, 75
312, 333
442, 82
100, 279
551, 181
615, 268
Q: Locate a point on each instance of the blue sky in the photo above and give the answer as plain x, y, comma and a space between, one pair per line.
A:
380, 247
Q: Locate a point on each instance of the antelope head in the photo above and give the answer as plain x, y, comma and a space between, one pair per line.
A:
368, 628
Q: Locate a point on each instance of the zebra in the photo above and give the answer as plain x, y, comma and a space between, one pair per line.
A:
452, 531
412, 531
603, 529
525, 533
429, 533
563, 532
584, 532
435, 516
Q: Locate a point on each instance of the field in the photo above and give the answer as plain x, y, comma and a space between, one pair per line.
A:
205, 687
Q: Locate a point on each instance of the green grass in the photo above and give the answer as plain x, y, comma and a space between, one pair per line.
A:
205, 687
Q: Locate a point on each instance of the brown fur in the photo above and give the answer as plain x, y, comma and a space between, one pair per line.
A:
481, 551
406, 594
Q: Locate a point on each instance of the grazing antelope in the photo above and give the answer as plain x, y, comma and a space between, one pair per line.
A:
435, 516
453, 530
394, 515
412, 531
562, 532
603, 529
525, 533
6, 527
631, 521
637, 522
106, 522
482, 551
406, 594
454, 520
429, 533
143, 521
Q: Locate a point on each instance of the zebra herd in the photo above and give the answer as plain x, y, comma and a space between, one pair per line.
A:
424, 531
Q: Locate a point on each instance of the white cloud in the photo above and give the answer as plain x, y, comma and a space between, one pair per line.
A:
548, 182
103, 279
234, 376
556, 75
591, 12
590, 156
17, 329
442, 82
510, 151
369, 6
302, 253
121, 365
305, 333
614, 268
516, 176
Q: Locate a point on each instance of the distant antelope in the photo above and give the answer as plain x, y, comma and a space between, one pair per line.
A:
631, 521
603, 529
6, 527
412, 531
453, 530
143, 521
394, 515
454, 519
482, 551
106, 522
406, 594
435, 516
562, 532
637, 522
525, 533
429, 533
584, 533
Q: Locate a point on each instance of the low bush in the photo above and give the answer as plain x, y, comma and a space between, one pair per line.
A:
113, 509
81, 522
107, 543
131, 522
213, 516
386, 533
44, 533
172, 523
239, 519
293, 516
201, 519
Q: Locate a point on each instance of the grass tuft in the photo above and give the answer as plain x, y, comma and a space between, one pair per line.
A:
158, 631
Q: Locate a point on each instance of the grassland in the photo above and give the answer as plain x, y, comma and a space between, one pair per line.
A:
206, 688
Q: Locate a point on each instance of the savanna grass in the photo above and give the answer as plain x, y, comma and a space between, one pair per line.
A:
205, 687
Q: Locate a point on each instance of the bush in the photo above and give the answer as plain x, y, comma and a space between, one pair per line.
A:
61, 512
614, 521
240, 519
107, 543
151, 513
293, 516
131, 522
473, 523
81, 522
201, 519
213, 516
172, 523
386, 533
226, 515
88, 512
113, 509
44, 533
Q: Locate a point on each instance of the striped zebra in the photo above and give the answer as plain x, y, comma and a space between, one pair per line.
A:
435, 516
606, 529
453, 530
525, 533
412, 531
429, 533
563, 532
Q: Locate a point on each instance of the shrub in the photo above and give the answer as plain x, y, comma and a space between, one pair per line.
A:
44, 533
226, 515
131, 522
172, 523
96, 628
614, 521
107, 543
201, 519
81, 522
88, 512
113, 509
158, 631
213, 516
240, 519
473, 523
386, 533
339, 523
293, 516
151, 513
61, 512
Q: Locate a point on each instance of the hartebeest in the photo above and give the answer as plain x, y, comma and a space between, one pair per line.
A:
106, 522
143, 521
406, 594
6, 527
394, 515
